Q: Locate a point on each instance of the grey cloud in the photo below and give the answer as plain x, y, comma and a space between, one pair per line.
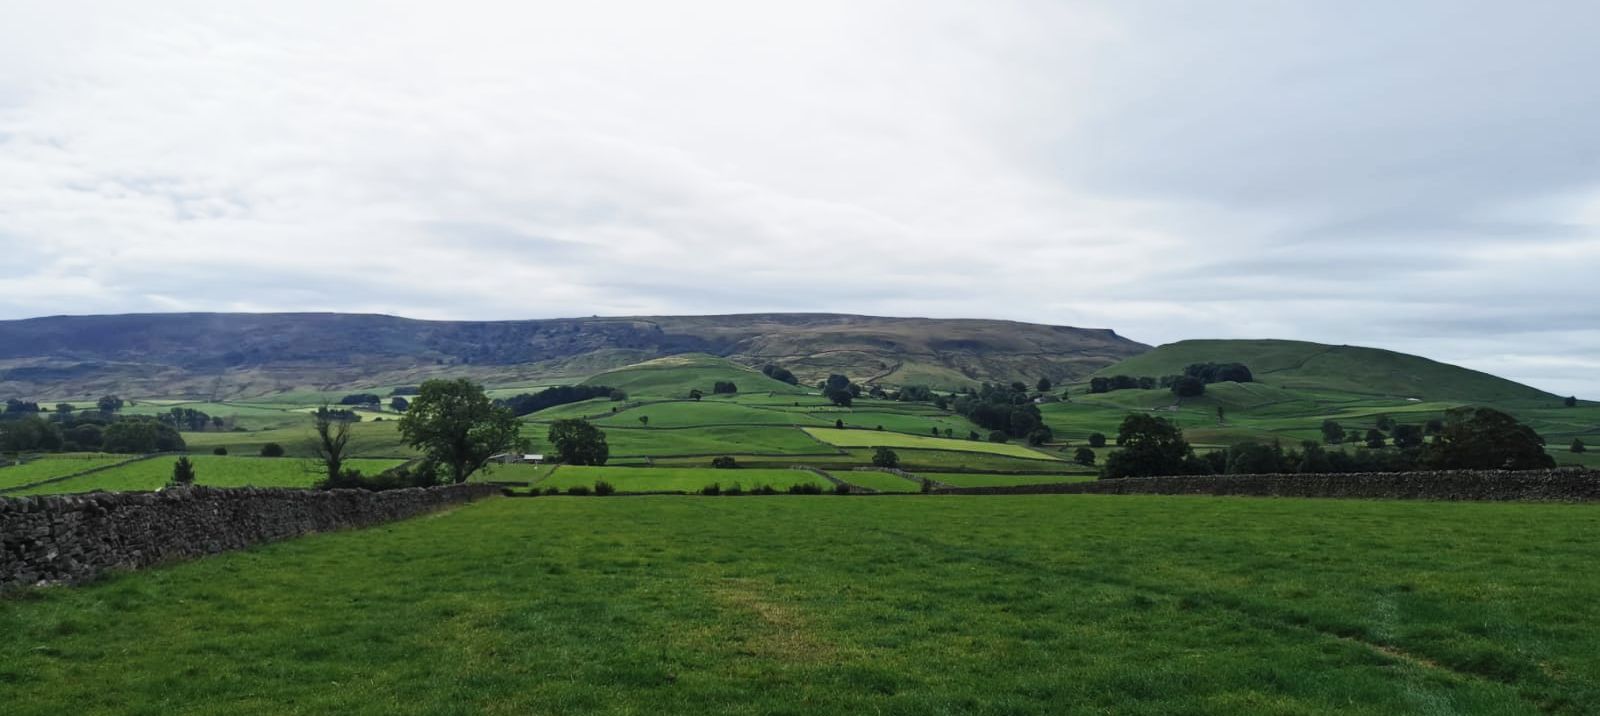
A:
1418, 176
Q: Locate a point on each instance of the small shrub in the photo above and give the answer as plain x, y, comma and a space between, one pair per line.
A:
183, 472
734, 489
805, 488
998, 436
552, 490
724, 462
603, 488
1578, 446
841, 489
712, 489
927, 486
839, 423
578, 490
764, 490
272, 450
219, 450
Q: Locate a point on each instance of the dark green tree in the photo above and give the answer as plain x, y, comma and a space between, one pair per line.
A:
1150, 446
1332, 432
1407, 436
399, 404
1083, 456
454, 423
1375, 438
271, 450
576, 442
1097, 440
1578, 446
183, 472
884, 457
1188, 387
1486, 439
1043, 385
695, 394
1571, 401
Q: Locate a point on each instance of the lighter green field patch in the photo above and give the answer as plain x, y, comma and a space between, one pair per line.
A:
884, 438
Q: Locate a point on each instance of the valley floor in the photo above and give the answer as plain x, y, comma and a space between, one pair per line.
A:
900, 605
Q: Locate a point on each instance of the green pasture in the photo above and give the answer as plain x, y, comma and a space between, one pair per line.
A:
848, 605
880, 481
710, 440
880, 438
968, 479
210, 470
649, 479
54, 466
368, 439
690, 413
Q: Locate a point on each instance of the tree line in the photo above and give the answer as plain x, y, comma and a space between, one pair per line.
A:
1468, 439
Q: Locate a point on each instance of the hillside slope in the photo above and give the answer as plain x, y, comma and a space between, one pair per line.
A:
1316, 367
220, 355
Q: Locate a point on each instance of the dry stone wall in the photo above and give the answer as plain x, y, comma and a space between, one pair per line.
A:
70, 538
1550, 485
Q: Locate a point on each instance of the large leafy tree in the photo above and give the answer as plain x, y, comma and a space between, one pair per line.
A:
1150, 446
454, 423
1486, 439
577, 442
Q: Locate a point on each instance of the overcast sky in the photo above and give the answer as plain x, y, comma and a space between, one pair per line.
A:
1422, 176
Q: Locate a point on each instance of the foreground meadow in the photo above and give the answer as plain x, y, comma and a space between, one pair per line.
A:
826, 604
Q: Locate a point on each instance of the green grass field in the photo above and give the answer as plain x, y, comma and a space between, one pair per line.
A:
714, 440
688, 413
877, 438
368, 439
968, 479
847, 605
880, 481
53, 466
650, 479
210, 470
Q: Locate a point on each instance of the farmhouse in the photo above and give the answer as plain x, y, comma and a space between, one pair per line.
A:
511, 458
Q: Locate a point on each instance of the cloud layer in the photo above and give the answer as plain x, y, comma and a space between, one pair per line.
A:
1423, 177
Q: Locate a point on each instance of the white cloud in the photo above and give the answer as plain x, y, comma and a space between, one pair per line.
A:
1416, 177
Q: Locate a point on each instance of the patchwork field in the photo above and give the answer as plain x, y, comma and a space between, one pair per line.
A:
884, 438
648, 479
991, 479
1013, 605
54, 466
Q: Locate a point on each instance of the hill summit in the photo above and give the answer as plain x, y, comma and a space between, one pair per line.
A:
229, 355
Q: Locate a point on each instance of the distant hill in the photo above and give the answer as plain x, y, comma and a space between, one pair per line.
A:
1313, 367
232, 355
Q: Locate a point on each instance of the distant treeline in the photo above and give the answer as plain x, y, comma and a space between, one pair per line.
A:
1008, 411
777, 372
1190, 383
24, 428
527, 403
1469, 439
